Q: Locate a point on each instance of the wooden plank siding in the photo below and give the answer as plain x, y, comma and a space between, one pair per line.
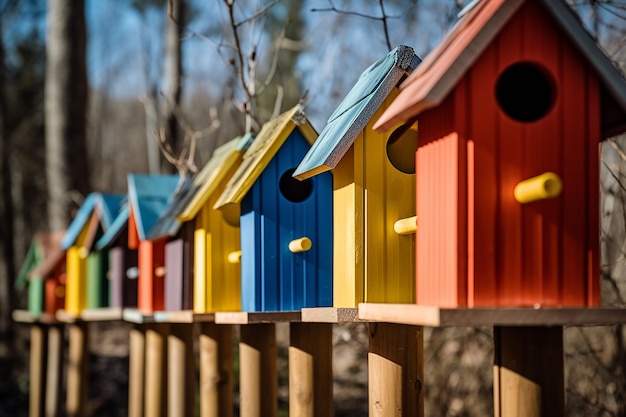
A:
372, 262
273, 278
217, 281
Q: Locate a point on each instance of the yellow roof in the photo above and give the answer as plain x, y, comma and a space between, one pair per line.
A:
215, 170
267, 143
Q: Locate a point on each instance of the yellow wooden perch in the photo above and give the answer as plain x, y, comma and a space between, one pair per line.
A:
302, 244
546, 185
406, 226
234, 257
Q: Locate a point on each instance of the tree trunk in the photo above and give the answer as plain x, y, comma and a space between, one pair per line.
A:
65, 110
7, 258
172, 60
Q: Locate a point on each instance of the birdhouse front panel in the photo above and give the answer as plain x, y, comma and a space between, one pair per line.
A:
179, 270
217, 257
151, 280
149, 197
374, 187
76, 258
508, 176
54, 293
124, 272
286, 235
97, 283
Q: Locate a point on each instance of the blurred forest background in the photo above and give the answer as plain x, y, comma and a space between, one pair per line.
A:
93, 90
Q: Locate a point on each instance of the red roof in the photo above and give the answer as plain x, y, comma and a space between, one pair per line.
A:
441, 70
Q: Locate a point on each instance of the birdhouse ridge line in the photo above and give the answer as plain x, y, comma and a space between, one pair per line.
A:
149, 196
356, 110
104, 206
117, 226
216, 169
263, 148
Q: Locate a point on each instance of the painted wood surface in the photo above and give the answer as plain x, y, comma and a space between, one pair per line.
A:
274, 278
124, 273
537, 253
443, 68
97, 282
372, 262
217, 280
356, 110
151, 280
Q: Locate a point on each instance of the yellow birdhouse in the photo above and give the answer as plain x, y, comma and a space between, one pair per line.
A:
374, 188
216, 276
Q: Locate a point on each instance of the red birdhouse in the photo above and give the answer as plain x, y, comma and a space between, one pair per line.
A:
511, 108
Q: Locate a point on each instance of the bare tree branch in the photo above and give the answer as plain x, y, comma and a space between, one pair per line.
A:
384, 18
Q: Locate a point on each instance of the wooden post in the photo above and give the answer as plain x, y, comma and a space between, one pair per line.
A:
37, 370
181, 392
258, 375
528, 377
54, 374
155, 403
77, 369
310, 370
136, 369
395, 370
216, 370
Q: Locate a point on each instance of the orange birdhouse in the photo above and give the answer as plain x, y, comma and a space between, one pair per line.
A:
511, 108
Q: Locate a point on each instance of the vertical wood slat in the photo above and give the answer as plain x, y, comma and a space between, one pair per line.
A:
395, 370
136, 369
174, 254
53, 374
310, 370
77, 369
180, 371
528, 372
508, 48
155, 402
258, 375
37, 370
216, 370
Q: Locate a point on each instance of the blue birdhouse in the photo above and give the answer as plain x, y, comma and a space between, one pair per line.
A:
286, 224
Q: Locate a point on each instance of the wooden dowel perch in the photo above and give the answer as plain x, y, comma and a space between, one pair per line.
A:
234, 257
300, 245
546, 185
406, 226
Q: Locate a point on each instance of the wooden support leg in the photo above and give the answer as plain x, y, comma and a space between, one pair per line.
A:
181, 392
155, 403
216, 370
137, 360
528, 377
54, 374
77, 370
395, 370
310, 370
37, 370
258, 375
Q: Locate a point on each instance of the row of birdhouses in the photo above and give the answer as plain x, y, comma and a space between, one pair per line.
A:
510, 109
